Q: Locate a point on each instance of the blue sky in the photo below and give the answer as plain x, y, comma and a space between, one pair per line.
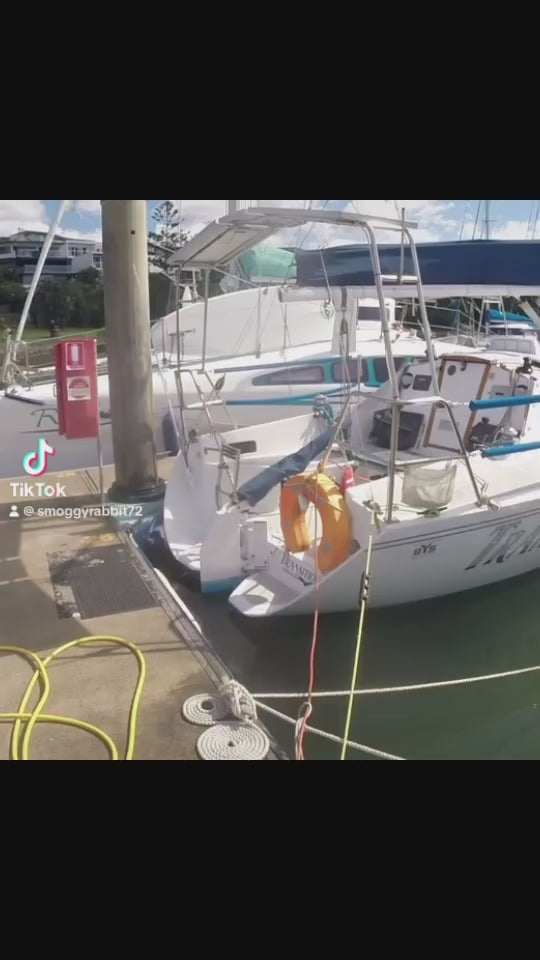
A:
437, 219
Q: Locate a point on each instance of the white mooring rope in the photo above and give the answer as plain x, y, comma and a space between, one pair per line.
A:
234, 700
330, 736
372, 691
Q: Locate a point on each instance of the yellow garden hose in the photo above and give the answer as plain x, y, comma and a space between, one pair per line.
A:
25, 721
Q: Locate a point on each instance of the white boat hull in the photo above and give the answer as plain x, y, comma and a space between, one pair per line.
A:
427, 559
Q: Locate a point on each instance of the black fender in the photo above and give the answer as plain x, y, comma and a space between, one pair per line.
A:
170, 436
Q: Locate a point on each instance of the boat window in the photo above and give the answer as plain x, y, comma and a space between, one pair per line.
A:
523, 345
380, 367
343, 371
409, 429
374, 370
509, 330
422, 383
290, 376
368, 313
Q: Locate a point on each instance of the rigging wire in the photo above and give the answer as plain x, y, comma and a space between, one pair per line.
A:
535, 224
479, 208
300, 242
464, 221
533, 219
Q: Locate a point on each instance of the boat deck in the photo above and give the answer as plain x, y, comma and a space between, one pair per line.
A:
507, 481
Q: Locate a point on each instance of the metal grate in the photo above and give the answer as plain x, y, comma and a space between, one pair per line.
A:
98, 582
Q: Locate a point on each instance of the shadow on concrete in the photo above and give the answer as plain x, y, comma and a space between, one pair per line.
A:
28, 613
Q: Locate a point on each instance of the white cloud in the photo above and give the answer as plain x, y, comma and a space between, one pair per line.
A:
81, 234
25, 214
197, 213
500, 230
433, 217
88, 206
511, 230
31, 215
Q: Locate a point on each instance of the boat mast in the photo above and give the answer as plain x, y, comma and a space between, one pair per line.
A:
487, 220
10, 370
39, 268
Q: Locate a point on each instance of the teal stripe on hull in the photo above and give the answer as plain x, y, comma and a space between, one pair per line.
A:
285, 401
221, 586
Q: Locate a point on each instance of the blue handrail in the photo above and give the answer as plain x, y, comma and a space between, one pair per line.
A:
512, 448
497, 402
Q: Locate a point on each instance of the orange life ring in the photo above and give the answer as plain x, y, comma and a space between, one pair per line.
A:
325, 495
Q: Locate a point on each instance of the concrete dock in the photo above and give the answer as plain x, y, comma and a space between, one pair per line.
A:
62, 579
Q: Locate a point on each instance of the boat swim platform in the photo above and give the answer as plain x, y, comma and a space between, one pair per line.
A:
64, 579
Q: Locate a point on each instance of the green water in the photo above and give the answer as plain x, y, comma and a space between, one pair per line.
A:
488, 631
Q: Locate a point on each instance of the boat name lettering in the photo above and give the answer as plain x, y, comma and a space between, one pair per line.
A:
507, 541
45, 413
425, 549
296, 569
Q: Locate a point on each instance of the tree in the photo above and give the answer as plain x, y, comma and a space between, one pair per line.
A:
53, 303
90, 276
87, 304
167, 237
12, 295
8, 274
86, 291
162, 295
69, 303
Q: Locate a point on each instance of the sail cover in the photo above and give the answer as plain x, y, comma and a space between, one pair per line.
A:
258, 487
463, 263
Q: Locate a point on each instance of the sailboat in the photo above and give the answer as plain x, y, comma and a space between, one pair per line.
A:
454, 504
437, 491
206, 511
442, 458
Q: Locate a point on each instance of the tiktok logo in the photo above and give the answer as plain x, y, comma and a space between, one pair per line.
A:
36, 463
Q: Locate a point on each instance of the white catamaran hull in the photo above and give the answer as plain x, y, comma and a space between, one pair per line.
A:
243, 399
197, 512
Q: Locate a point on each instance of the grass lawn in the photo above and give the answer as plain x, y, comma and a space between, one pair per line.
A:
43, 354
31, 334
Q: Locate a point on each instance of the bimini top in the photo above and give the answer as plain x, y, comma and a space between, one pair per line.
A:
224, 240
474, 268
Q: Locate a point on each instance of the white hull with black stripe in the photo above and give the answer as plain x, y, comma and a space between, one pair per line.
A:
485, 530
